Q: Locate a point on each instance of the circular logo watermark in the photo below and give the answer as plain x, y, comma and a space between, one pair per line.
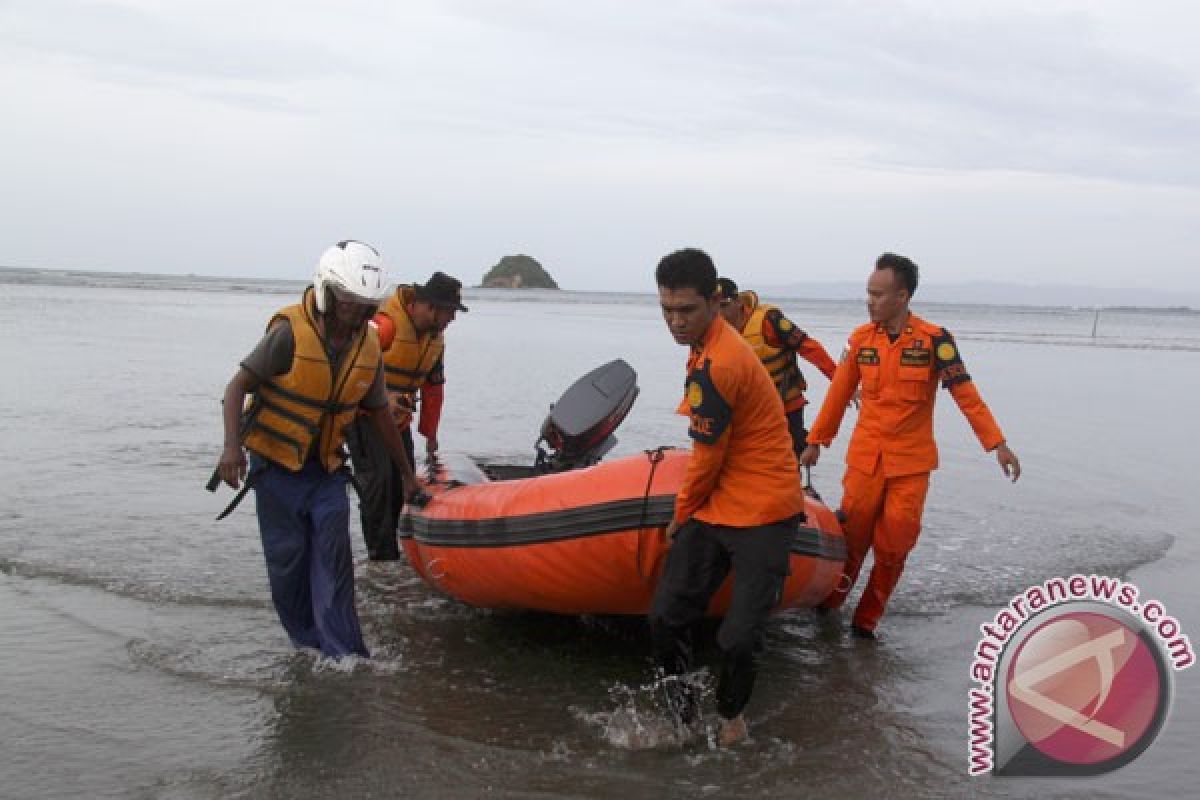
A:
1086, 690
1074, 678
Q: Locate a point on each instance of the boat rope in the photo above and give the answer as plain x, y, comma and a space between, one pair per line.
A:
808, 487
655, 456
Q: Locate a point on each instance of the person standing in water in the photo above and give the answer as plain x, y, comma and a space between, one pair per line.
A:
739, 503
411, 323
316, 366
898, 358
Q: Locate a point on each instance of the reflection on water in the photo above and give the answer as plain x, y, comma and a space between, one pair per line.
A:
142, 652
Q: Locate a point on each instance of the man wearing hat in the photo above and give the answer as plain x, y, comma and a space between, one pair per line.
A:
776, 341
411, 323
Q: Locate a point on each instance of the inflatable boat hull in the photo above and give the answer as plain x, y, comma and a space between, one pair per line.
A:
586, 541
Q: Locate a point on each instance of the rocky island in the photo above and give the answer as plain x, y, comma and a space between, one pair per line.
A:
518, 272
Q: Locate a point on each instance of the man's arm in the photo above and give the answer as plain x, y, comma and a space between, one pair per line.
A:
841, 393
710, 414
232, 464
271, 356
779, 331
954, 377
432, 396
701, 477
381, 418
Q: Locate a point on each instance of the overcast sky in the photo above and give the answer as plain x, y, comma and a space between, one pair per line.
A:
1033, 142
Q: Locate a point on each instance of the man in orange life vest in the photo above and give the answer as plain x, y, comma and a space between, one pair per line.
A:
739, 502
776, 341
316, 366
411, 325
898, 358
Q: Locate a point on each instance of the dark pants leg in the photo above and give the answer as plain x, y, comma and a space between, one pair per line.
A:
285, 541
304, 521
381, 488
795, 420
760, 565
696, 565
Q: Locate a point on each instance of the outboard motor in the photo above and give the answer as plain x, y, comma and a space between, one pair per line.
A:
579, 428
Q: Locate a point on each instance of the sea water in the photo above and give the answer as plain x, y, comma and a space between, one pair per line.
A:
142, 658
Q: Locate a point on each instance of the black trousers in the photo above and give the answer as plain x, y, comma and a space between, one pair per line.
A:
380, 487
700, 558
795, 420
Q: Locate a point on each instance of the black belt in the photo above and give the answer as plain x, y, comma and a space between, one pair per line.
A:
247, 485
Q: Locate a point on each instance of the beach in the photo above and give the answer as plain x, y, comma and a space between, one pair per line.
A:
142, 657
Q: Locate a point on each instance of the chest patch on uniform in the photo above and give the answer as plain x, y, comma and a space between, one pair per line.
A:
916, 357
868, 355
710, 412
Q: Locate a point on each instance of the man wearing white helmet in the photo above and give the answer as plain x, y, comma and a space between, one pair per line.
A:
317, 365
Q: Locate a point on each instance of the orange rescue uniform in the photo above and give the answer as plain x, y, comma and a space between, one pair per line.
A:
742, 472
892, 450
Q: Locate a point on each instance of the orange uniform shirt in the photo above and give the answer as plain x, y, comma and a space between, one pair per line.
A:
899, 386
742, 471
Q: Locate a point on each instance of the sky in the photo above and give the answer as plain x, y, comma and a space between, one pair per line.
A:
1027, 141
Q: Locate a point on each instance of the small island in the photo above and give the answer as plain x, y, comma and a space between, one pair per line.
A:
518, 272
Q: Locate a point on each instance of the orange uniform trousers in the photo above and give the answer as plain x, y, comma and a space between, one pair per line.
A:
881, 514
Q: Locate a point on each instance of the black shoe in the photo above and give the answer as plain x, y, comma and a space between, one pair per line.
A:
822, 610
392, 556
862, 633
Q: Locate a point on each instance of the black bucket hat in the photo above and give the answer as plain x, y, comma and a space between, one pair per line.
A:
441, 291
727, 290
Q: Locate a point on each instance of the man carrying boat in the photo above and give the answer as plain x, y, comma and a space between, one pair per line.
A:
411, 324
739, 502
898, 359
317, 365
776, 341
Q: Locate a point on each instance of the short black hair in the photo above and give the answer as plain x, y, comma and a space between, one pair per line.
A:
688, 269
727, 289
905, 269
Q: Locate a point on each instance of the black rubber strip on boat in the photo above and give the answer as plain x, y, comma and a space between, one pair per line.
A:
575, 523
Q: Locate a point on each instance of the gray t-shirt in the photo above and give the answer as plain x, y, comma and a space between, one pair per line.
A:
273, 356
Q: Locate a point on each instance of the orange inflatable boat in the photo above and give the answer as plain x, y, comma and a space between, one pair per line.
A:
574, 536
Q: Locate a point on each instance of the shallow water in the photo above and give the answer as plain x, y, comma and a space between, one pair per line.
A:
142, 658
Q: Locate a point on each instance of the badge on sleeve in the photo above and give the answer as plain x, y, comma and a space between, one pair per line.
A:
710, 413
950, 366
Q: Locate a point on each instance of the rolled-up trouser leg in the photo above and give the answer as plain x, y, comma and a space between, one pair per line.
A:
896, 534
696, 565
332, 570
760, 567
286, 548
862, 503
380, 486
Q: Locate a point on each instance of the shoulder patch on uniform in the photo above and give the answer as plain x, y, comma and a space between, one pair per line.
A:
710, 413
950, 367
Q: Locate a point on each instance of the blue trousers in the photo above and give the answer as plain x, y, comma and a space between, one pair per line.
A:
304, 520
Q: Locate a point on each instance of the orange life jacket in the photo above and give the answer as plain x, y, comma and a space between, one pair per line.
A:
408, 362
308, 405
780, 363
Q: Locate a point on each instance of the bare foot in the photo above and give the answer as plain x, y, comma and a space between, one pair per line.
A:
732, 731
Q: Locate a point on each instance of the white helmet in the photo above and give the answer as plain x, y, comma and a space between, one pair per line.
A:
352, 267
